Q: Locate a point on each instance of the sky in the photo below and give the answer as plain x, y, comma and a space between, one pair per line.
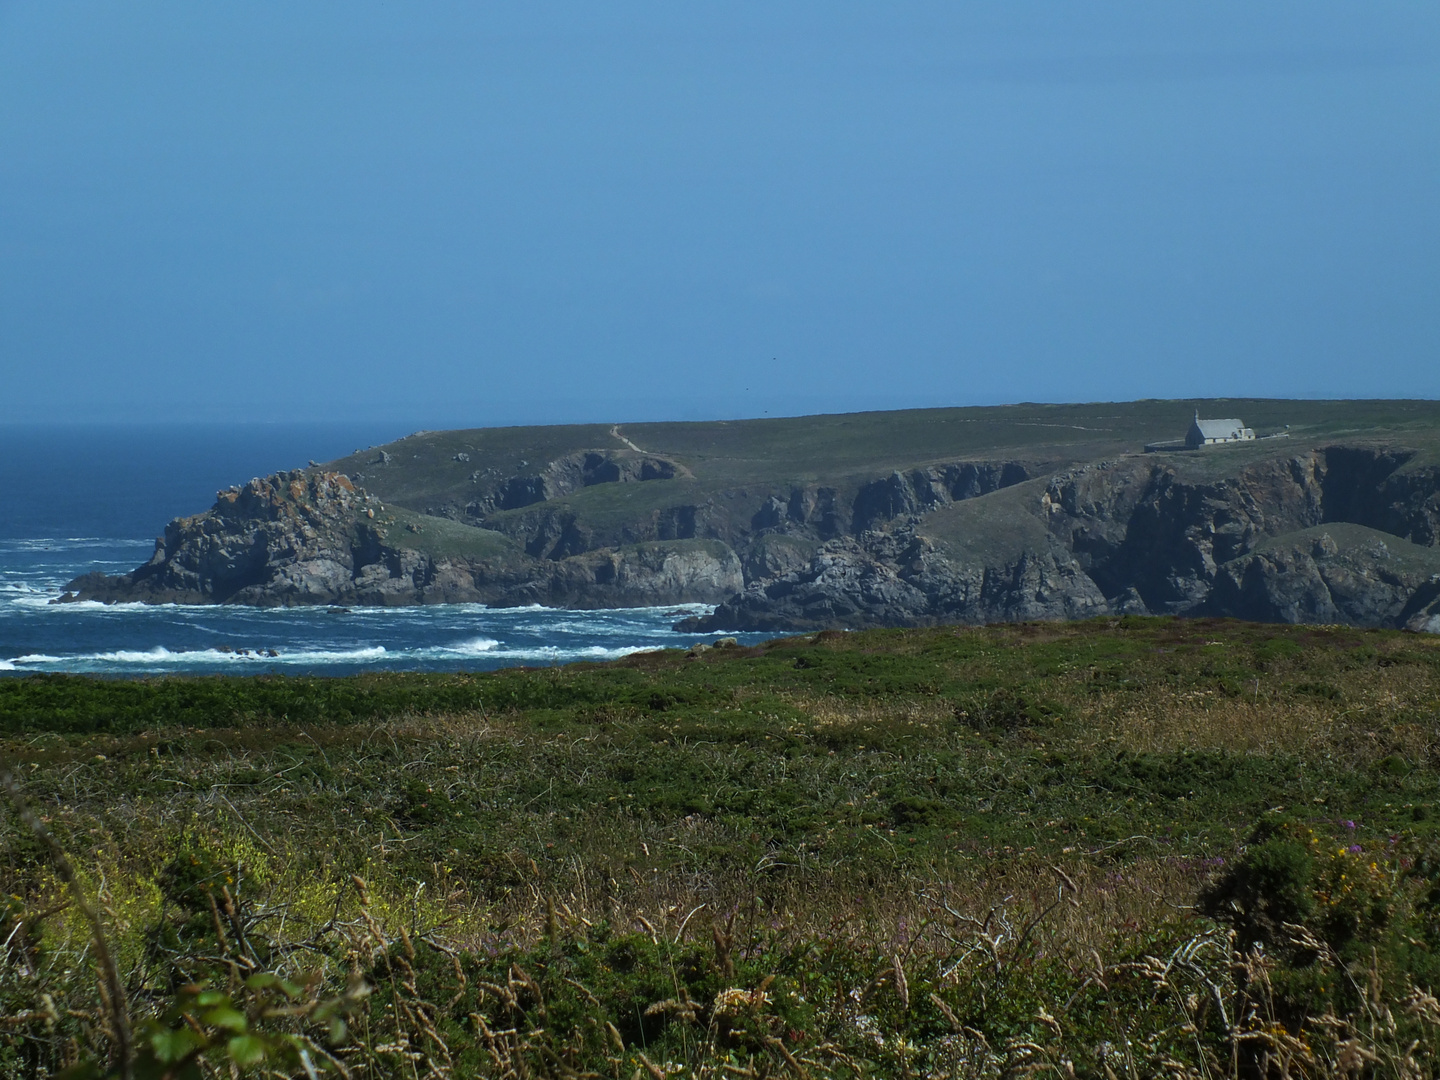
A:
457, 214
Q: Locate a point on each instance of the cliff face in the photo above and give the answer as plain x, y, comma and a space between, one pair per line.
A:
313, 537
1332, 575
1340, 532
290, 538
316, 537
1337, 534
1180, 543
900, 579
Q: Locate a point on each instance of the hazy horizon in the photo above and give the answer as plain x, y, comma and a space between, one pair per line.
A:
386, 429
551, 213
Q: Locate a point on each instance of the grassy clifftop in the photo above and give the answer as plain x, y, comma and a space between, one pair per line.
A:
831, 448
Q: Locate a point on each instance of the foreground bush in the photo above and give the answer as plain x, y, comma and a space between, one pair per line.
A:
931, 989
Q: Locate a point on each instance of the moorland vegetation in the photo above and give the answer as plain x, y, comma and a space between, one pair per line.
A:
1120, 848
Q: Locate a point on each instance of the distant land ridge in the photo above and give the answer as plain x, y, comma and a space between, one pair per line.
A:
902, 518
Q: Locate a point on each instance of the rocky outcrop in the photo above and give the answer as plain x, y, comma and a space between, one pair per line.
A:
562, 476
1131, 536
532, 509
901, 579
291, 538
1152, 528
1167, 535
1358, 576
313, 537
548, 531
1382, 489
921, 490
642, 575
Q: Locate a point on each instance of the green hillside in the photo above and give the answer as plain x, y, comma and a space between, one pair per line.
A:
839, 449
1127, 847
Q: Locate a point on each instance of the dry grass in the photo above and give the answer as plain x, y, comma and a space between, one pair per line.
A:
1384, 711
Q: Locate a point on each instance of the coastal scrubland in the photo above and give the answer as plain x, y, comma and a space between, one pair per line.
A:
1127, 847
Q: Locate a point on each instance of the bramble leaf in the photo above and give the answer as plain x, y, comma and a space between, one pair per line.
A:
246, 1050
226, 1018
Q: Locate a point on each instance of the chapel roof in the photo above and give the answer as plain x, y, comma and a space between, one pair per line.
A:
1219, 429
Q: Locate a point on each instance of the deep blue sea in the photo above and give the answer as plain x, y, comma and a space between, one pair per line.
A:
75, 499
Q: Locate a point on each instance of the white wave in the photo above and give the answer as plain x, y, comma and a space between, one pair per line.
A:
555, 654
582, 620
42, 600
160, 655
613, 612
34, 599
431, 611
477, 645
326, 656
71, 543
559, 626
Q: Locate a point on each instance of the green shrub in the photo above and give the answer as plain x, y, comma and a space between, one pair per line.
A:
1269, 887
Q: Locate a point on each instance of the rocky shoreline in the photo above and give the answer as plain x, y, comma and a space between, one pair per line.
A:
1332, 534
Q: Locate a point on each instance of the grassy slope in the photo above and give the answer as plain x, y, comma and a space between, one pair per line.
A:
1006, 735
804, 812
1401, 554
1086, 692
835, 793
442, 538
993, 528
425, 469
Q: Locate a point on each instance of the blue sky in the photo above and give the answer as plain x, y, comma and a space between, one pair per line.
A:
459, 213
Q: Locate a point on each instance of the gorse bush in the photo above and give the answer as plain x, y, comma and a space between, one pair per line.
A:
1272, 886
1326, 911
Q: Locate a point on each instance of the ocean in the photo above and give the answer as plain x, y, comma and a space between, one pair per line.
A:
75, 499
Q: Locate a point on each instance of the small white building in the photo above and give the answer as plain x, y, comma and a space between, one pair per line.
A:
1214, 432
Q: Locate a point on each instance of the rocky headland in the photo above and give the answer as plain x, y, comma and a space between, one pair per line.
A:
314, 537
1297, 530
